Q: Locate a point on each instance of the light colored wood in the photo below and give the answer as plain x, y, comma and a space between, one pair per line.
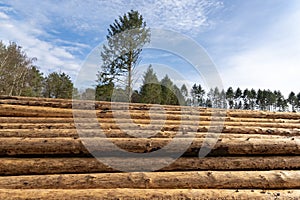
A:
31, 166
115, 133
146, 194
155, 124
158, 180
235, 146
143, 121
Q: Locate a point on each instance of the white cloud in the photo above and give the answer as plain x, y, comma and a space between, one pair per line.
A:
52, 55
271, 61
3, 16
188, 15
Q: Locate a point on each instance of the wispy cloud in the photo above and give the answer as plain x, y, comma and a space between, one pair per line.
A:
270, 60
188, 15
52, 54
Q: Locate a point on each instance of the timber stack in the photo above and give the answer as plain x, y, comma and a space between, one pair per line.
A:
254, 154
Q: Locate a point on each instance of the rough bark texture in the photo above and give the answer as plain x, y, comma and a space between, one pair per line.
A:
62, 146
43, 156
146, 194
21, 166
159, 180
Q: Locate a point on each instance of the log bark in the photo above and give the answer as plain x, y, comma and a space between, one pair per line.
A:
139, 106
115, 133
32, 111
71, 120
62, 146
35, 166
146, 194
146, 123
159, 180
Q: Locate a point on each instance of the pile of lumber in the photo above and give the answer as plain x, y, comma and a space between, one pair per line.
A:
254, 154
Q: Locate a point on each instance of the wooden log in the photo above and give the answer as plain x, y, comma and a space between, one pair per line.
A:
157, 127
145, 121
32, 111
231, 113
155, 124
146, 194
127, 133
235, 146
159, 180
34, 166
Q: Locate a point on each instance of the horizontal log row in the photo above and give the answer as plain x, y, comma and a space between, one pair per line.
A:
158, 132
145, 121
107, 105
146, 194
126, 133
283, 179
33, 111
35, 166
166, 146
154, 125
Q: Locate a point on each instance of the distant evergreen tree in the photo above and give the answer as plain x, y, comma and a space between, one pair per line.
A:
298, 101
58, 85
151, 91
246, 98
104, 92
237, 97
197, 93
223, 99
292, 100
168, 96
184, 91
252, 97
230, 97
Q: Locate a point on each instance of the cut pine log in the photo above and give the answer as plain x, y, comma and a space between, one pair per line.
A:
146, 194
115, 133
34, 166
236, 146
32, 111
155, 124
142, 121
159, 180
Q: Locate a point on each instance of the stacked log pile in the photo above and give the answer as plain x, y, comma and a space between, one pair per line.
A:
42, 155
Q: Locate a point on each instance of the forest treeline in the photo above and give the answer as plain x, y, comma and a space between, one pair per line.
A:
20, 77
128, 34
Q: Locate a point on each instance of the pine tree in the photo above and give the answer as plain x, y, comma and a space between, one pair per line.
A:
58, 85
126, 37
252, 96
246, 97
237, 97
167, 95
292, 100
230, 97
197, 93
151, 89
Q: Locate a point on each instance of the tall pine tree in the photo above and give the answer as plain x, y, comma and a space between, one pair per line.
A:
126, 37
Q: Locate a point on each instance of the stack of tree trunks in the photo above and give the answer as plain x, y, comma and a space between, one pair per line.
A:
257, 154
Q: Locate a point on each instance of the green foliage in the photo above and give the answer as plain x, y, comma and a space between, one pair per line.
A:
126, 37
230, 97
34, 85
104, 92
197, 93
151, 90
16, 71
292, 99
58, 85
168, 96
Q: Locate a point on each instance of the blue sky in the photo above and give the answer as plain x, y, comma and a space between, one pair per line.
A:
252, 43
